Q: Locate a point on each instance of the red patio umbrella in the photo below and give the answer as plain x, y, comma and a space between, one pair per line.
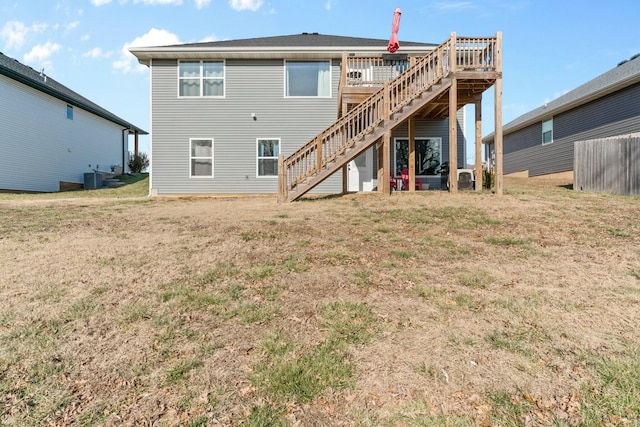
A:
393, 43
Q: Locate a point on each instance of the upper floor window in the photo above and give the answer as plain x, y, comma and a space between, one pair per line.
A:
308, 78
268, 151
547, 131
201, 157
69, 112
201, 78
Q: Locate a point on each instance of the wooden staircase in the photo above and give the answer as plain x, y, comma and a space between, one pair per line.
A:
406, 96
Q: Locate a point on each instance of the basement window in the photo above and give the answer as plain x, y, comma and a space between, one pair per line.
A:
69, 112
201, 158
547, 132
268, 151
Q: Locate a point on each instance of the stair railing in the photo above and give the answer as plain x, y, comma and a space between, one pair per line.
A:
312, 158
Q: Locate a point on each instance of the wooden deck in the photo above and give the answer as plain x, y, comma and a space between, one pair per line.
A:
376, 95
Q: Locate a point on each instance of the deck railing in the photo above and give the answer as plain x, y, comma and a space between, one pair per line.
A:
312, 158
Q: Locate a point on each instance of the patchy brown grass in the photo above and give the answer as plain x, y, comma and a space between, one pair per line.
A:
425, 309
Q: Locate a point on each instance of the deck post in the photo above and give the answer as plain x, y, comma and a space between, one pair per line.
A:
412, 154
380, 148
282, 182
498, 115
345, 177
453, 117
478, 111
387, 101
386, 162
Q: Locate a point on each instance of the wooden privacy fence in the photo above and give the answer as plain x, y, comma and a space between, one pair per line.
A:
608, 165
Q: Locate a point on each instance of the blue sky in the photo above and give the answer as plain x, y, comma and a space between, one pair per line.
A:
549, 47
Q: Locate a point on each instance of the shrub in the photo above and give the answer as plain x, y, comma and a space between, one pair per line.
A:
138, 162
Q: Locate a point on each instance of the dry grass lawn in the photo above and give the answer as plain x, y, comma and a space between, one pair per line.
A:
365, 310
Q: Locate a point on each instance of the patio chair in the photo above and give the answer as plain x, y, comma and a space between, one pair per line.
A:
393, 182
405, 180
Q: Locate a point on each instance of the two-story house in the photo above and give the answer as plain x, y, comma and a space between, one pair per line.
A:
284, 114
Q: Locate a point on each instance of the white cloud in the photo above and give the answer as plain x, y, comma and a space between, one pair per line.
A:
453, 6
200, 4
96, 53
155, 37
154, 2
14, 33
209, 39
100, 2
329, 4
252, 5
40, 54
70, 26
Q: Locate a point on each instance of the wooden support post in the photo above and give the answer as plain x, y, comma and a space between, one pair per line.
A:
478, 177
386, 162
498, 115
282, 180
497, 140
380, 151
135, 143
412, 154
453, 117
453, 136
345, 178
342, 84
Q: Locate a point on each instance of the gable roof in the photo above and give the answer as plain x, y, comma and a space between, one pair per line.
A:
24, 74
625, 74
305, 45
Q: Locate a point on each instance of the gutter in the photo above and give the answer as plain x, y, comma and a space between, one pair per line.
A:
43, 87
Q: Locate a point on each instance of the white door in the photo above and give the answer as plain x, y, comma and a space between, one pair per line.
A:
360, 172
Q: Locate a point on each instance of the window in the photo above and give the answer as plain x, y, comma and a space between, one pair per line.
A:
268, 151
201, 78
428, 156
201, 157
69, 112
547, 131
308, 78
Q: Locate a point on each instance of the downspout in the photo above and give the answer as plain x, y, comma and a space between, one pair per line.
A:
123, 148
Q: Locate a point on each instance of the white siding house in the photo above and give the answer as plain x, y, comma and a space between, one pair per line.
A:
50, 136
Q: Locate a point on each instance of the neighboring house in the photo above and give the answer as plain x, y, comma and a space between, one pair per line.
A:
541, 142
50, 135
222, 113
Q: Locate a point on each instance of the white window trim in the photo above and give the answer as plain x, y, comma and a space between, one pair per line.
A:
284, 79
258, 158
542, 135
417, 138
202, 79
191, 176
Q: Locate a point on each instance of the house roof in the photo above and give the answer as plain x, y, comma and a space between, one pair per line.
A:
625, 74
39, 81
305, 45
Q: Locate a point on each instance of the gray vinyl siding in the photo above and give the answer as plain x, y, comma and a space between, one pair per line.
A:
434, 129
615, 114
251, 87
41, 147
